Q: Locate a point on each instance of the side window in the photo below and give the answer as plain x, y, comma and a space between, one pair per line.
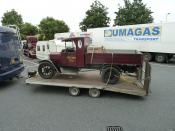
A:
38, 48
43, 47
48, 47
79, 44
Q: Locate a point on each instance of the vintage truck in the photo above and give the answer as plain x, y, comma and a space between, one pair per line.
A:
110, 63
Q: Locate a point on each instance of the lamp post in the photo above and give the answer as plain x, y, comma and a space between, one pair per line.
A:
167, 16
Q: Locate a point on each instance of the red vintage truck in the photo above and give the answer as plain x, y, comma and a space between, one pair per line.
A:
114, 67
110, 64
29, 47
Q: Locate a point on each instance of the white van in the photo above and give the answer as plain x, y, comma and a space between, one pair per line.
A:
44, 48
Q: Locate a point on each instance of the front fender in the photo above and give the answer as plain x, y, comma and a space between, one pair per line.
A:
49, 61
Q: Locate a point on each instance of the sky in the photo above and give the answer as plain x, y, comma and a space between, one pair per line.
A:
73, 11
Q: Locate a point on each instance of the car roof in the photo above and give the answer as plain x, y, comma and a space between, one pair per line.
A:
4, 29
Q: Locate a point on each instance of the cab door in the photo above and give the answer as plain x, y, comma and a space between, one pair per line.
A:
68, 55
68, 59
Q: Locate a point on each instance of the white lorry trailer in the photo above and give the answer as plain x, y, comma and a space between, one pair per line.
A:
156, 41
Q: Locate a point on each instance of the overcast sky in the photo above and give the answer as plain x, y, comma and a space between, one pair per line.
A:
73, 11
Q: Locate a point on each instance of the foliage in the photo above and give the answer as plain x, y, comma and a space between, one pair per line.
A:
28, 29
133, 13
96, 16
12, 18
49, 26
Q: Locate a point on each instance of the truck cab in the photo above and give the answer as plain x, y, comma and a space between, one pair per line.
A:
73, 54
10, 63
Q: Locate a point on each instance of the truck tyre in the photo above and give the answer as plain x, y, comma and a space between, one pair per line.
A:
74, 91
46, 70
93, 92
147, 56
160, 58
110, 75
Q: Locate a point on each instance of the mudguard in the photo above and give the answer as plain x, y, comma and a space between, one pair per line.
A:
49, 61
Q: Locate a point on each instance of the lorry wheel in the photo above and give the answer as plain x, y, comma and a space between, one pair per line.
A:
74, 91
93, 92
160, 58
46, 70
110, 75
147, 56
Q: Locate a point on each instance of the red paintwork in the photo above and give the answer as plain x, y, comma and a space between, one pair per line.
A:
31, 46
81, 59
119, 59
32, 39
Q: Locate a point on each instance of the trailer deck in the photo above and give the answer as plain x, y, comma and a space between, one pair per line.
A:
127, 84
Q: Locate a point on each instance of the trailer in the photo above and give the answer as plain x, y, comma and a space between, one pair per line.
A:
155, 41
131, 84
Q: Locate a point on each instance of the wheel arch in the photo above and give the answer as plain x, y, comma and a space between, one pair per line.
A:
114, 66
49, 61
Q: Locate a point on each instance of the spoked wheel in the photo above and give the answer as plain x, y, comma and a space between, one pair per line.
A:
74, 91
46, 70
110, 75
93, 92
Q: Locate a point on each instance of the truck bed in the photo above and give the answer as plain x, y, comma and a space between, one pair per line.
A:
127, 84
114, 57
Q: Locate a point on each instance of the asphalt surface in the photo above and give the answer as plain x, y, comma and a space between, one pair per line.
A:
43, 108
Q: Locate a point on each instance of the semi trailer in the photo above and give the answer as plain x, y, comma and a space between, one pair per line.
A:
155, 41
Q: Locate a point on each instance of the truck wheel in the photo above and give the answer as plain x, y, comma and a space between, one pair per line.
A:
110, 75
74, 91
160, 58
93, 92
46, 70
147, 56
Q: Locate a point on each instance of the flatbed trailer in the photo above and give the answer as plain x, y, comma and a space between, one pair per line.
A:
128, 84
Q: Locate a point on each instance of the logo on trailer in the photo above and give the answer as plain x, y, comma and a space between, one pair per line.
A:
139, 33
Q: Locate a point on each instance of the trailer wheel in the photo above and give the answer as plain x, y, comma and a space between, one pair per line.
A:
147, 56
93, 92
110, 75
46, 70
74, 91
160, 58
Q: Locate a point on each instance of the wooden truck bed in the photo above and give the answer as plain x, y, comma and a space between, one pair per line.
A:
117, 58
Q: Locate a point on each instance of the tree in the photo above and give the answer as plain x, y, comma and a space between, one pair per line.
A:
28, 29
12, 18
133, 13
96, 16
49, 26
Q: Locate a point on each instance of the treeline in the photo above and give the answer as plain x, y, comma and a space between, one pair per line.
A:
135, 12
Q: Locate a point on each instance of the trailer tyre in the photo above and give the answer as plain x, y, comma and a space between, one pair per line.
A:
160, 58
147, 56
46, 70
93, 92
74, 91
110, 75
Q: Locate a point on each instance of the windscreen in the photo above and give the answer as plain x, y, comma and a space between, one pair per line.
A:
9, 45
